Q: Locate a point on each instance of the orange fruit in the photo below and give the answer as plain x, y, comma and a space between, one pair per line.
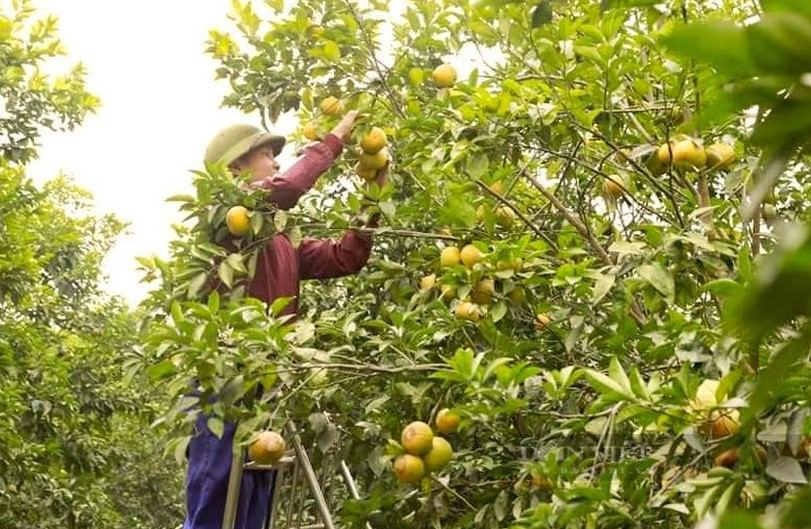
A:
439, 455
689, 154
727, 458
444, 76
720, 155
310, 131
416, 438
483, 293
427, 282
374, 161
542, 320
470, 255
467, 311
267, 449
541, 482
374, 140
331, 106
724, 424
447, 421
365, 172
238, 221
449, 257
409, 468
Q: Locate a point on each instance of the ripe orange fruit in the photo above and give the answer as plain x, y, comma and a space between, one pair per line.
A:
480, 213
483, 293
727, 458
724, 424
427, 282
409, 468
444, 76
470, 255
447, 421
365, 172
374, 161
541, 482
310, 131
689, 154
267, 449
374, 140
467, 311
439, 455
542, 321
720, 155
517, 295
238, 221
331, 106
449, 257
416, 438
497, 187
505, 216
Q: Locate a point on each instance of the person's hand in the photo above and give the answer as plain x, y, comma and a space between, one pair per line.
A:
344, 128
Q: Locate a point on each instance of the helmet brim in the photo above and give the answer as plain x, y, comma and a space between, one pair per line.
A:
252, 142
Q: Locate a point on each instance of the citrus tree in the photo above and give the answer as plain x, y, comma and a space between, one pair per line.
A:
76, 450
576, 284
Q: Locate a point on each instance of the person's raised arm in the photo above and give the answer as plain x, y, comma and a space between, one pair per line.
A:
327, 258
285, 189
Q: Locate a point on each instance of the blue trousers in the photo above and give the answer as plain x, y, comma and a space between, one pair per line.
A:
210, 460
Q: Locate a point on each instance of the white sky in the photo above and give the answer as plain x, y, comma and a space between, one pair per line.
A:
160, 105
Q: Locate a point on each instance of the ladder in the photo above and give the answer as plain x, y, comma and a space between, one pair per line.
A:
300, 461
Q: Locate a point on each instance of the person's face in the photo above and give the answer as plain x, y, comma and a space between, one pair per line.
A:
260, 162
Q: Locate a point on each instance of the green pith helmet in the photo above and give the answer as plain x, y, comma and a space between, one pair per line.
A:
234, 141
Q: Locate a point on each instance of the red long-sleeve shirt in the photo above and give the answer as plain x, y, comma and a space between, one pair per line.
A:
281, 266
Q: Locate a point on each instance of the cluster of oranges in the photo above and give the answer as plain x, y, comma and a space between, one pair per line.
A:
424, 451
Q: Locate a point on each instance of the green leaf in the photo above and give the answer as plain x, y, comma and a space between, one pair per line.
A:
602, 286
498, 311
161, 370
332, 51
214, 302
602, 383
617, 373
786, 470
295, 236
723, 287
196, 284
235, 262
280, 220
638, 385
177, 313
216, 425
719, 43
781, 291
226, 274
800, 7
658, 278
477, 165
613, 4
542, 13
180, 198
739, 520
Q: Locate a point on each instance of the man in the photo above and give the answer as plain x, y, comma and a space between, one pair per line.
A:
279, 269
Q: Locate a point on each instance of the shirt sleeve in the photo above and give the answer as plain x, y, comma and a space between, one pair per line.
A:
285, 189
327, 258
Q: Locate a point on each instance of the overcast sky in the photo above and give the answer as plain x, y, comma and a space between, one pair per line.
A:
160, 106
